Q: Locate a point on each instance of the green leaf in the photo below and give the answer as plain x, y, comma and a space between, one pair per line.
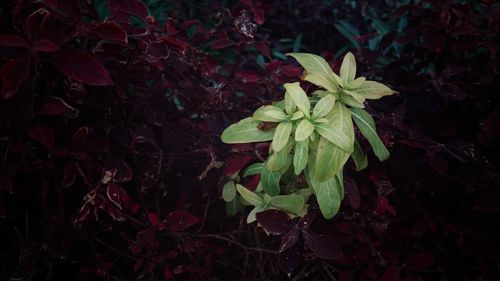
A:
297, 115
350, 101
300, 156
322, 79
251, 216
253, 169
269, 113
304, 130
281, 135
340, 178
329, 160
312, 63
229, 191
290, 203
366, 125
234, 206
246, 131
359, 158
340, 117
350, 32
348, 68
373, 90
290, 106
299, 97
270, 181
335, 135
356, 83
328, 195
249, 196
281, 160
359, 98
323, 107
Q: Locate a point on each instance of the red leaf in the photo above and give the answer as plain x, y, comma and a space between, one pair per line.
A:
35, 23
9, 40
153, 219
221, 44
181, 220
420, 261
124, 8
43, 134
382, 204
274, 222
352, 192
113, 192
13, 73
258, 14
69, 175
57, 106
44, 45
323, 246
391, 274
248, 76
82, 66
80, 135
112, 32
263, 48
252, 185
235, 164
291, 70
51, 3
289, 239
179, 44
291, 250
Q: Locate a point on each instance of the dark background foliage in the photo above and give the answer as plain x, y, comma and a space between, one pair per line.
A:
111, 163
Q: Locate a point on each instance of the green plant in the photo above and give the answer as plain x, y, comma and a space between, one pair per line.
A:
311, 136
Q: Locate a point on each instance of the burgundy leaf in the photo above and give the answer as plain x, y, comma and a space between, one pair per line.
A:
291, 256
153, 219
234, 165
221, 44
179, 44
69, 174
123, 9
258, 14
291, 71
9, 40
80, 135
391, 274
112, 32
13, 73
57, 106
352, 192
323, 246
113, 192
253, 183
248, 76
51, 3
290, 239
44, 45
263, 48
81, 66
123, 172
35, 23
274, 222
43, 134
420, 261
181, 220
145, 239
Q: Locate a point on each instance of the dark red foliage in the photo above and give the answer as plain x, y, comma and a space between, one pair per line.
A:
111, 163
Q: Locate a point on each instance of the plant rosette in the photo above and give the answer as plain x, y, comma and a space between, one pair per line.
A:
311, 136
